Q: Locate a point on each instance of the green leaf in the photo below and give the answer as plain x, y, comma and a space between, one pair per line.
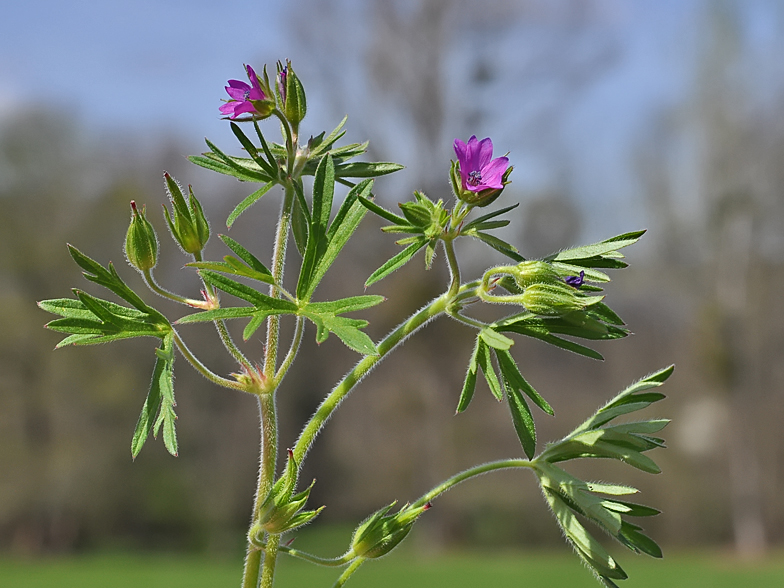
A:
245, 255
636, 541
516, 380
485, 361
484, 218
212, 164
258, 299
469, 385
160, 401
382, 212
602, 248
496, 243
252, 151
232, 266
219, 314
543, 335
522, 419
346, 304
234, 163
397, 261
495, 339
109, 279
346, 329
324, 144
247, 203
323, 191
629, 400
589, 549
363, 169
343, 227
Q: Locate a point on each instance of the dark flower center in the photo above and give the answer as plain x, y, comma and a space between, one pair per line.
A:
474, 178
246, 95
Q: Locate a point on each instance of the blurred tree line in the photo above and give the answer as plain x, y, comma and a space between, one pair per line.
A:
703, 294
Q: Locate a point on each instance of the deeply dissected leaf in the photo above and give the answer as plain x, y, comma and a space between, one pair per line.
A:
160, 402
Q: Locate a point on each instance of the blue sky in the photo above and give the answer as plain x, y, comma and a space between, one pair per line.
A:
159, 66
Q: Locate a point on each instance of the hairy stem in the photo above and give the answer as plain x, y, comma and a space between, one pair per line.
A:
269, 430
348, 572
454, 268
470, 473
202, 369
270, 558
149, 279
330, 562
278, 261
390, 342
287, 361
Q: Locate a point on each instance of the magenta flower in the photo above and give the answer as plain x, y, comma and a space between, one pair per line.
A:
244, 97
478, 170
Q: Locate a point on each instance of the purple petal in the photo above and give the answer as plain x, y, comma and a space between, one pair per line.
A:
471, 156
239, 84
256, 94
484, 152
237, 93
243, 107
460, 151
493, 172
228, 107
254, 81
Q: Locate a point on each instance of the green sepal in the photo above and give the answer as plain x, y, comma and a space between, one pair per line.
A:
160, 402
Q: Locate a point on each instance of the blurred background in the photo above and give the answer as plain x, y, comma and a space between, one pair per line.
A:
618, 115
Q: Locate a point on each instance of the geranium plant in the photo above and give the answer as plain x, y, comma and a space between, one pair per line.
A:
558, 300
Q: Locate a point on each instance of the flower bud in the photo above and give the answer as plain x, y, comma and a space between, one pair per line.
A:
291, 94
555, 299
381, 533
280, 511
528, 273
189, 227
141, 243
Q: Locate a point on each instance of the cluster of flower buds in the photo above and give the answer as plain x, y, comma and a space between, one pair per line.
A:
478, 179
141, 242
189, 226
280, 511
542, 289
381, 533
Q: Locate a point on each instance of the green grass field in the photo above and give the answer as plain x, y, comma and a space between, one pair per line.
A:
528, 570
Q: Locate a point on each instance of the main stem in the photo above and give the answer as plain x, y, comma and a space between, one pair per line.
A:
269, 432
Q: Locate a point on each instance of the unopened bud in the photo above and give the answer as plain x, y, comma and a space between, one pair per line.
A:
141, 243
188, 227
555, 299
381, 533
291, 94
528, 273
